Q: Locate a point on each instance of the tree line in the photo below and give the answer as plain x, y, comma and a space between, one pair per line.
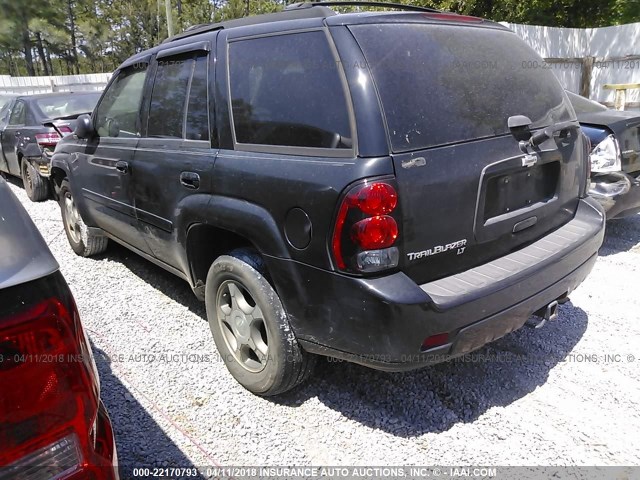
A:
63, 37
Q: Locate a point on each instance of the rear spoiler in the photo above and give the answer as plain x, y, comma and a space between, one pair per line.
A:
51, 121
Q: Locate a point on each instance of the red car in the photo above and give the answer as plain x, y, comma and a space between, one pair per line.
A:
53, 424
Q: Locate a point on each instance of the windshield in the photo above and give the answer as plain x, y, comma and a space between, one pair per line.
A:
584, 105
68, 104
447, 84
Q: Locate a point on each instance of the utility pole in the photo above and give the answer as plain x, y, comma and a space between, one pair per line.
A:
167, 4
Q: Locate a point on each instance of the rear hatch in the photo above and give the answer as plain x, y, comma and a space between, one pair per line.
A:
467, 191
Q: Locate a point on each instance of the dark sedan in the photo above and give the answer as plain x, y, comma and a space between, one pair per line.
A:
52, 421
27, 145
615, 155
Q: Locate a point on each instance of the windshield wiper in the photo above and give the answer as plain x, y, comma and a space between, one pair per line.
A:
520, 127
541, 135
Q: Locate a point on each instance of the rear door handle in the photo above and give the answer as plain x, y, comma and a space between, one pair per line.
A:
122, 167
190, 180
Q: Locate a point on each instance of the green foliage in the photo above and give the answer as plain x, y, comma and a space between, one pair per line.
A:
69, 36
554, 13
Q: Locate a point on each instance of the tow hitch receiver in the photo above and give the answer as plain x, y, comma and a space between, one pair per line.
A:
550, 312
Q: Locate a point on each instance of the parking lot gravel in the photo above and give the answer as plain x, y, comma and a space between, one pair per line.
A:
566, 394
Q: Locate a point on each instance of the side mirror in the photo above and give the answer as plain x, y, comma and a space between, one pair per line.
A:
84, 126
519, 127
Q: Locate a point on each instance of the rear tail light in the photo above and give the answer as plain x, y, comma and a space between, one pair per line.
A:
51, 139
380, 231
49, 391
47, 140
586, 149
376, 198
58, 460
605, 156
366, 228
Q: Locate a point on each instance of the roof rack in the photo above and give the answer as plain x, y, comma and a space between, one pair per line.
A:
313, 9
356, 3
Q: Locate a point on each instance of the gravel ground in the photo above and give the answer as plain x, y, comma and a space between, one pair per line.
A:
535, 397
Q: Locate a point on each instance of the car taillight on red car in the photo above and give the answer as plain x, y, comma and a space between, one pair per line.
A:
366, 228
49, 396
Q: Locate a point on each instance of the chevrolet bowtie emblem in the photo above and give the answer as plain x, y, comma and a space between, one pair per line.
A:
529, 160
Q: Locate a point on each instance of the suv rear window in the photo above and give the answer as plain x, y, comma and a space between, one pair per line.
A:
447, 84
286, 91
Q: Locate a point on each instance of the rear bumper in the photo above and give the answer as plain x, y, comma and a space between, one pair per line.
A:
383, 322
618, 193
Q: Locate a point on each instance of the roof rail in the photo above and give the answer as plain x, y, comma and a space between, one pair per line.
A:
364, 3
312, 11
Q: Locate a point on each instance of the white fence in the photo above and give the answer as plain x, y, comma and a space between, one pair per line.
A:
585, 59
60, 83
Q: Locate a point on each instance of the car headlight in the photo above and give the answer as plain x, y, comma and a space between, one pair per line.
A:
605, 157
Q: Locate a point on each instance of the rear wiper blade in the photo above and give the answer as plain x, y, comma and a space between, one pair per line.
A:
541, 135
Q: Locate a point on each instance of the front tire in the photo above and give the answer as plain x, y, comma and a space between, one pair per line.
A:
251, 328
83, 242
37, 188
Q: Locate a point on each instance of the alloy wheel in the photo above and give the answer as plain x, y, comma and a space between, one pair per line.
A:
243, 327
72, 218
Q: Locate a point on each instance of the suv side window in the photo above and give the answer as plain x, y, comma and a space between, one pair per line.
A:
117, 113
168, 98
197, 125
18, 114
286, 90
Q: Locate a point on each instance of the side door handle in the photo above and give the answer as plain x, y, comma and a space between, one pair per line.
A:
122, 167
190, 180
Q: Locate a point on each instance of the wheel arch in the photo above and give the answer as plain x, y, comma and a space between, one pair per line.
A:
59, 170
227, 224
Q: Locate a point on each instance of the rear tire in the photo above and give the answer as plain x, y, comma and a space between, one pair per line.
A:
83, 242
251, 328
36, 186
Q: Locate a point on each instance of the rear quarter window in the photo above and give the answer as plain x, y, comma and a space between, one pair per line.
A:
286, 91
447, 84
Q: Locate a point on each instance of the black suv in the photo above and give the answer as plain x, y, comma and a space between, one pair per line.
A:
389, 188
